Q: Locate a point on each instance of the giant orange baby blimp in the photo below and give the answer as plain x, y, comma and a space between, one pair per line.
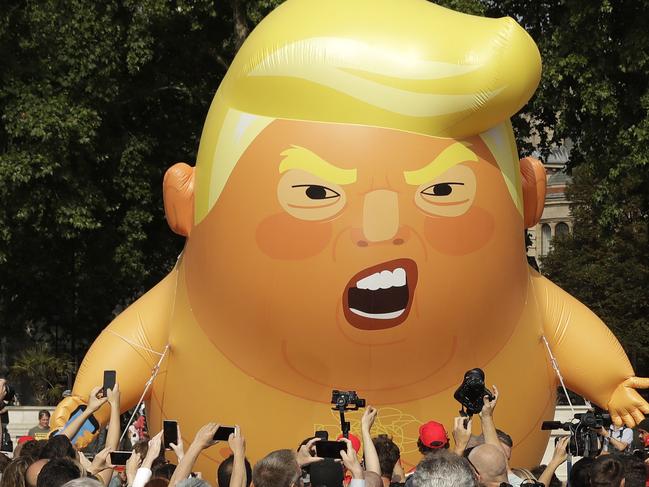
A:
355, 220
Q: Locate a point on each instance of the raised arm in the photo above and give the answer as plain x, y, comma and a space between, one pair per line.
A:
203, 439
369, 450
596, 367
238, 446
487, 419
130, 345
93, 404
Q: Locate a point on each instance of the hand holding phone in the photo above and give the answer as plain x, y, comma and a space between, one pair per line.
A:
170, 433
119, 458
330, 449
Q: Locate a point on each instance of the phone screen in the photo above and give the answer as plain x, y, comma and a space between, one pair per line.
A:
329, 449
223, 433
170, 433
119, 458
110, 376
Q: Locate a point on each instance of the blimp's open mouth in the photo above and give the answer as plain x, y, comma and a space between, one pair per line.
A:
380, 296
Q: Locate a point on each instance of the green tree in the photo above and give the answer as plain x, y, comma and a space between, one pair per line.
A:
98, 99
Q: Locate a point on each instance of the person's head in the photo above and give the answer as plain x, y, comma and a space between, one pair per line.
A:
58, 446
4, 461
643, 431
505, 440
44, 418
192, 482
606, 471
580, 473
141, 447
444, 469
635, 473
57, 472
14, 473
157, 482
373, 479
31, 448
34, 470
388, 453
224, 472
163, 470
84, 482
327, 473
490, 464
277, 469
432, 437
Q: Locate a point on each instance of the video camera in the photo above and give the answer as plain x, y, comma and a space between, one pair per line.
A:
471, 392
583, 432
346, 400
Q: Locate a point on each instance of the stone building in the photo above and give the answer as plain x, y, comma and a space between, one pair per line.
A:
556, 219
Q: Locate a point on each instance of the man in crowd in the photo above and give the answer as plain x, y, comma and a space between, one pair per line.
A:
42, 430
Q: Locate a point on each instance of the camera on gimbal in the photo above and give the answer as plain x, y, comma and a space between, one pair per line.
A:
584, 441
346, 400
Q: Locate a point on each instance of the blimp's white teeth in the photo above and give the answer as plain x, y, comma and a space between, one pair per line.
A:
383, 280
378, 316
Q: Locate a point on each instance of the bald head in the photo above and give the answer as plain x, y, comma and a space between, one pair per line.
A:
31, 476
490, 462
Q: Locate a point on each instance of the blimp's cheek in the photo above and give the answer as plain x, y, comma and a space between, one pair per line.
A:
284, 237
460, 235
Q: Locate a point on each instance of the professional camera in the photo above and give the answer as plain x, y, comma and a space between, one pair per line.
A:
348, 400
583, 432
471, 392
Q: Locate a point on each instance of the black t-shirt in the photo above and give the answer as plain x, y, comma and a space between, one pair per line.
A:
4, 417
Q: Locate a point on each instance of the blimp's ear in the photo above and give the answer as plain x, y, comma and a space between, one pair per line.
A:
533, 180
178, 195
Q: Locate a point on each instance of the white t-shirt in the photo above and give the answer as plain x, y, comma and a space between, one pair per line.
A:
623, 434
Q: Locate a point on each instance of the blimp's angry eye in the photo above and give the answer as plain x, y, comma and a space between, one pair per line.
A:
380, 297
316, 192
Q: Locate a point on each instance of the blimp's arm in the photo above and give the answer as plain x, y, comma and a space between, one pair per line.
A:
591, 360
131, 345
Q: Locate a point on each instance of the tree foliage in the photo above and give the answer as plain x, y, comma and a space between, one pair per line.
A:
99, 98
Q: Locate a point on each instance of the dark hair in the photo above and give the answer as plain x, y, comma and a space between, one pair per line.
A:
635, 474
580, 472
58, 446
157, 482
554, 480
425, 450
606, 471
388, 453
43, 412
4, 461
163, 471
32, 448
57, 472
141, 447
224, 472
277, 469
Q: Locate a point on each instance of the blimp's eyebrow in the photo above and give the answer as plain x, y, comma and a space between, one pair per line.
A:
300, 158
449, 157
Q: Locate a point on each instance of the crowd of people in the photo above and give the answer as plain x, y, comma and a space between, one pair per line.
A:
369, 461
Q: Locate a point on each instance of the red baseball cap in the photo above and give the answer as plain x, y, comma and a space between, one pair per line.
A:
356, 442
433, 434
24, 439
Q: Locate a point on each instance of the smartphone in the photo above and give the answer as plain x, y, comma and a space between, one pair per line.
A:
170, 433
223, 433
119, 458
322, 434
110, 376
329, 449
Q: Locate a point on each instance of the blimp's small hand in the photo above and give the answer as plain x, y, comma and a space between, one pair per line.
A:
626, 405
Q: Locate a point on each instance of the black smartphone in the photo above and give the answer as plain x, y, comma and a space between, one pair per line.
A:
110, 376
322, 434
329, 449
169, 433
119, 458
223, 433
